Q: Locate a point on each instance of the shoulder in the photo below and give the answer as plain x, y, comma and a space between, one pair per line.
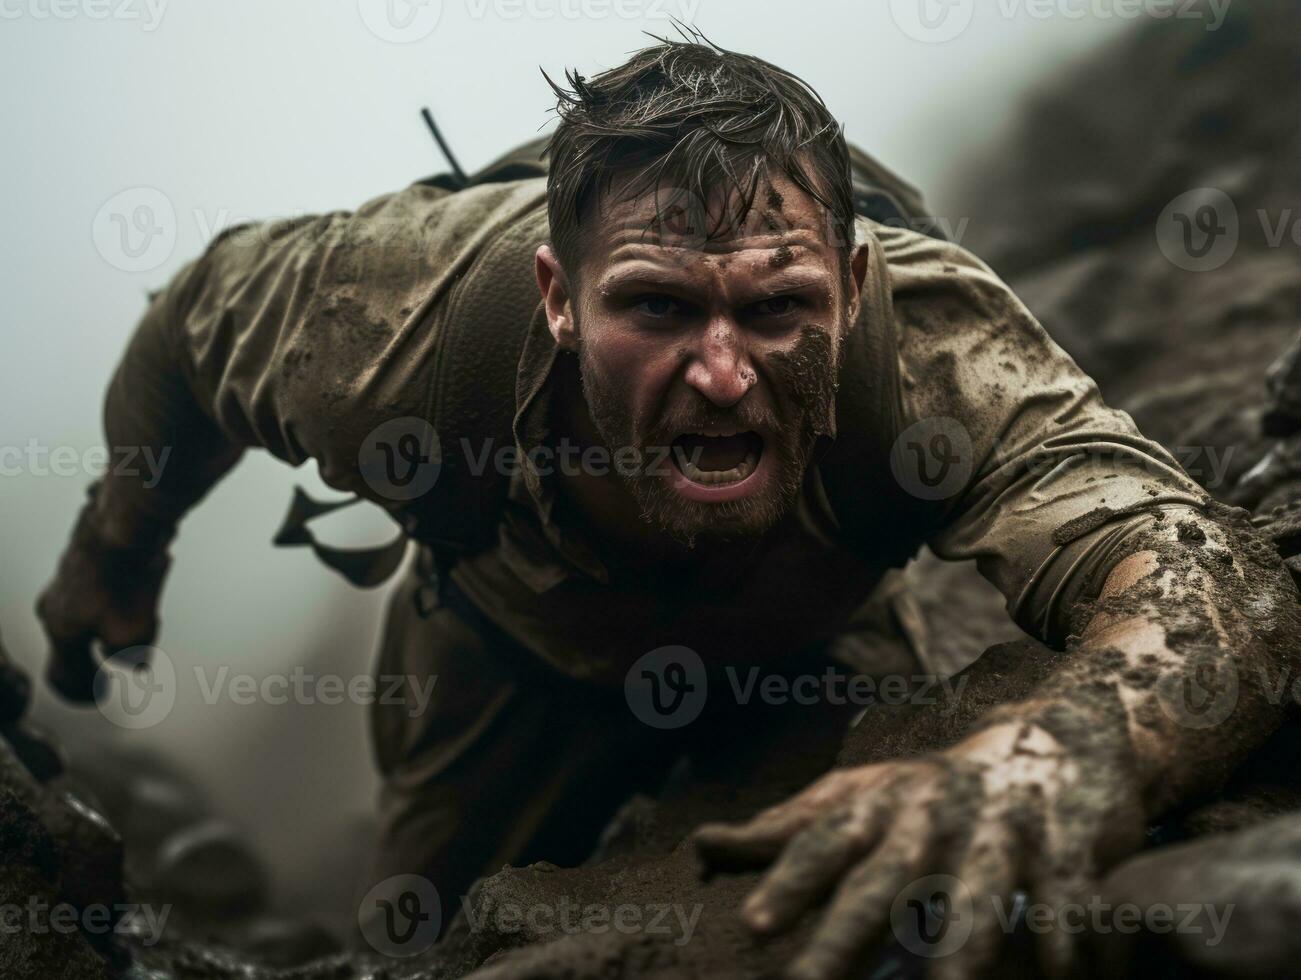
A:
921, 269
313, 331
418, 239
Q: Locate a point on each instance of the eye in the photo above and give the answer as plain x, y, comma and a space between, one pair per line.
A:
658, 306
777, 306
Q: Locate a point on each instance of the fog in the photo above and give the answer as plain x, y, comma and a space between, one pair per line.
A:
245, 109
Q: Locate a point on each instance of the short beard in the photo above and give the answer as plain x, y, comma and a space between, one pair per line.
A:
806, 379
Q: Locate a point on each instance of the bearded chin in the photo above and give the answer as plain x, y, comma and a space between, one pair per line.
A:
693, 523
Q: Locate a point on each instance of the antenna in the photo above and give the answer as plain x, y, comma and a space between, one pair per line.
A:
442, 144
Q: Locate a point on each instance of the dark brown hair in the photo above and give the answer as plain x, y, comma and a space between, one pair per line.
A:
688, 114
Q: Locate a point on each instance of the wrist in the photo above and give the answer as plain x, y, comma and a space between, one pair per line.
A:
110, 523
1091, 730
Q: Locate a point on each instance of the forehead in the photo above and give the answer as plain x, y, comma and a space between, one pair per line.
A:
784, 228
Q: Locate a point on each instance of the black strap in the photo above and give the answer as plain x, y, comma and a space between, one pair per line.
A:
363, 567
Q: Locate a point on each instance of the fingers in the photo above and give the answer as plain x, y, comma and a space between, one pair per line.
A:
71, 669
1061, 878
726, 847
1058, 947
813, 862
862, 905
75, 613
987, 876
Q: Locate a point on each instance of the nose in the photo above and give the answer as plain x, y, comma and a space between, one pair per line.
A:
720, 367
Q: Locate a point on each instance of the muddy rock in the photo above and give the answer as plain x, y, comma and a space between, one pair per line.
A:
1284, 381
58, 869
1067, 208
37, 750
1228, 905
210, 874
15, 691
45, 943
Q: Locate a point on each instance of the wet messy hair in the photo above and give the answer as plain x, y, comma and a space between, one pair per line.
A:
688, 114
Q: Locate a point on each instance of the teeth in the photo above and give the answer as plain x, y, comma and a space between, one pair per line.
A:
734, 475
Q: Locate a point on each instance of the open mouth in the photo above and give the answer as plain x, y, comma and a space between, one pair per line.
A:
717, 459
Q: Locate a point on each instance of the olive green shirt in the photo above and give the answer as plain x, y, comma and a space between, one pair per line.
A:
304, 336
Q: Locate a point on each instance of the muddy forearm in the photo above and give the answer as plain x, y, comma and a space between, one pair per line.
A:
1172, 669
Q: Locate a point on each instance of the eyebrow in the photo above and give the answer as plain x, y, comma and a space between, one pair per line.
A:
788, 280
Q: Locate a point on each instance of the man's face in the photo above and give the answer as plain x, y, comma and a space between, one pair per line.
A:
717, 360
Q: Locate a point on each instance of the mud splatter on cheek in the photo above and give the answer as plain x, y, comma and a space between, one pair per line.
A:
811, 355
805, 376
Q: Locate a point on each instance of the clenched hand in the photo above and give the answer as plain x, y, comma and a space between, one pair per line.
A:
103, 594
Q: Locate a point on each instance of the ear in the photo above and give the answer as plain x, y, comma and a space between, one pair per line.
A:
857, 275
554, 286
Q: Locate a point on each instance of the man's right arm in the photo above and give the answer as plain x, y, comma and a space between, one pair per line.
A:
110, 575
300, 337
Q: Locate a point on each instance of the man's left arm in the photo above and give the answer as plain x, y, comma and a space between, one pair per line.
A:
1173, 616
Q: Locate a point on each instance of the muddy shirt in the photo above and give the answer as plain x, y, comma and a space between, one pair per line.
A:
304, 336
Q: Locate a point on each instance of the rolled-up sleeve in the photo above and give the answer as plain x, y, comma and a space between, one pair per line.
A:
1048, 471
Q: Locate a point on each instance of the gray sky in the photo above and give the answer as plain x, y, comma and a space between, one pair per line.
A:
217, 112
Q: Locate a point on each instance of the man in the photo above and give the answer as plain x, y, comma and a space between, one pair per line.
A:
771, 401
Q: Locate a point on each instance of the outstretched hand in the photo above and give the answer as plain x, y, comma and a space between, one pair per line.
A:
1008, 807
